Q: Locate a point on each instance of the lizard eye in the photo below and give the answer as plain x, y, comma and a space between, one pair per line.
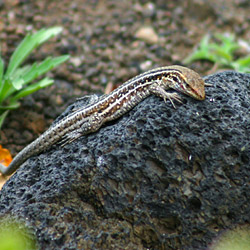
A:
176, 79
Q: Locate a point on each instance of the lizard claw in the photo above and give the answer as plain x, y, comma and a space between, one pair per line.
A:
171, 97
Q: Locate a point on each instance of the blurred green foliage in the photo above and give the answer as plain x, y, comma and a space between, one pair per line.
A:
15, 236
235, 239
220, 49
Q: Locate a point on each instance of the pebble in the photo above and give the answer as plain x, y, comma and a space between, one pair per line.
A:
76, 61
147, 34
146, 65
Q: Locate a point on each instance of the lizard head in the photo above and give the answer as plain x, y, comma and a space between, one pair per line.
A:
188, 81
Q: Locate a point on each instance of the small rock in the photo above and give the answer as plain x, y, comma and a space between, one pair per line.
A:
147, 34
76, 61
146, 65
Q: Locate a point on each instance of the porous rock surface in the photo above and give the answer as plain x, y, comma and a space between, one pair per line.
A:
157, 178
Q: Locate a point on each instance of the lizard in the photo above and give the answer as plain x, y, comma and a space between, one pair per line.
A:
90, 118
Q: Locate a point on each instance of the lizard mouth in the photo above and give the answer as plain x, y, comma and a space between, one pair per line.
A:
200, 94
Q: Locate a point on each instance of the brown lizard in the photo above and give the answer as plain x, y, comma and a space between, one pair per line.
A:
90, 118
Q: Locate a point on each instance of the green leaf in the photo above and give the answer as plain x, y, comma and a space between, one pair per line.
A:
203, 52
13, 105
221, 54
1, 71
23, 76
200, 55
44, 34
204, 42
2, 117
1, 77
228, 42
51, 63
13, 83
16, 78
242, 64
32, 88
28, 44
43, 67
244, 61
6, 88
37, 70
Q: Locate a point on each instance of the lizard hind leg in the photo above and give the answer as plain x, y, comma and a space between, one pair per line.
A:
84, 130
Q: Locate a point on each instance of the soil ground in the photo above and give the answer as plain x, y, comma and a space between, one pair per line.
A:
109, 41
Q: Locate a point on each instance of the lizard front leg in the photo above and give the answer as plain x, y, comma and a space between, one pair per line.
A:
155, 89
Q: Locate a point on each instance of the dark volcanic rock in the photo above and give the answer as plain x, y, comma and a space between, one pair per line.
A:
158, 178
